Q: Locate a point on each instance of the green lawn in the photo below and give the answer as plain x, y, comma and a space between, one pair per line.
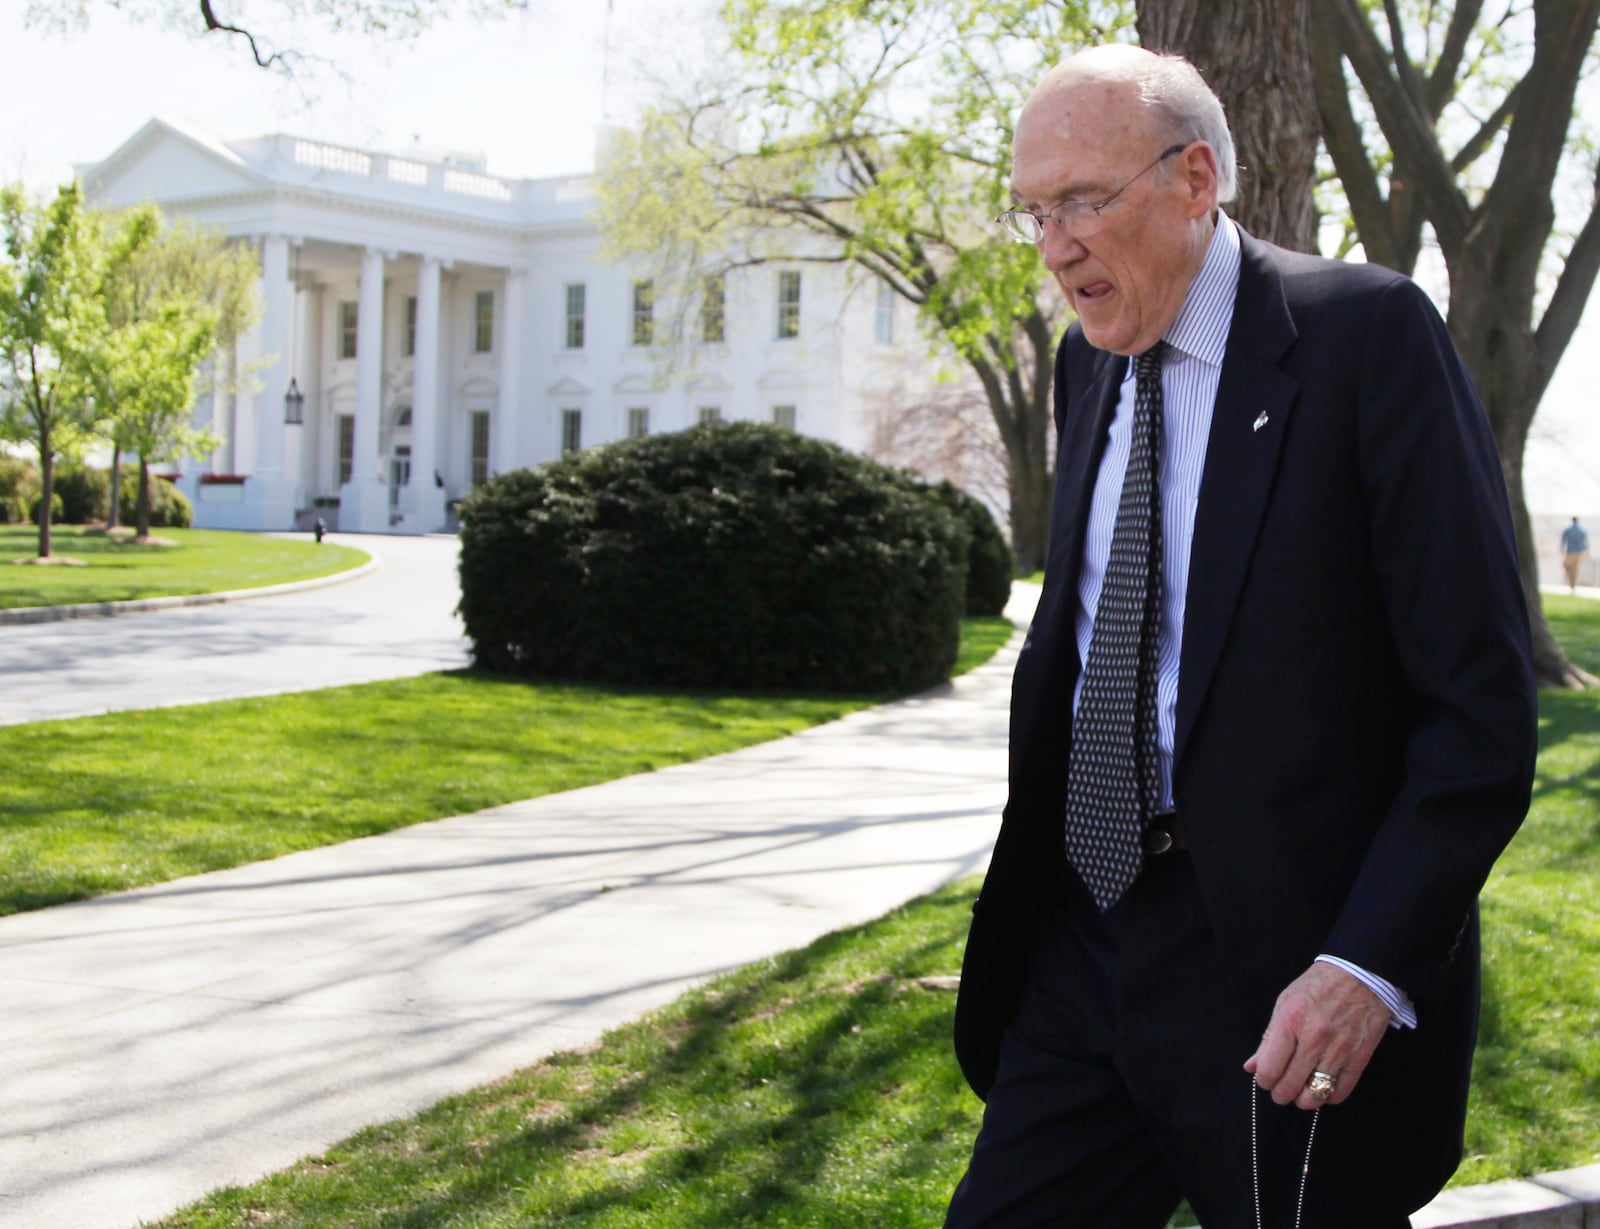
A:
817, 1089
204, 561
112, 802
1537, 1075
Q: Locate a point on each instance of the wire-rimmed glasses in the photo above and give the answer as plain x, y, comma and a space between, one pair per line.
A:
1079, 219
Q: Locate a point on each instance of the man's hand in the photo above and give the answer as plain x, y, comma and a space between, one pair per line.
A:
1325, 1021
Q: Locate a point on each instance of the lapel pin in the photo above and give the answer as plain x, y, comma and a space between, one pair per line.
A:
1261, 421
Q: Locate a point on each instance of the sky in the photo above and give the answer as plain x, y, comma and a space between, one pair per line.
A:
530, 92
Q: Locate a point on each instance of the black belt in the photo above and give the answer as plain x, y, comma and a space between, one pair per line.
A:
1164, 834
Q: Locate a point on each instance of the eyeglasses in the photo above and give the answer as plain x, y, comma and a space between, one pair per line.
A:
1079, 219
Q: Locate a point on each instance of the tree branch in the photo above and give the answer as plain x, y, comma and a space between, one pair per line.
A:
1577, 280
1484, 137
1341, 133
1441, 86
1409, 132
212, 24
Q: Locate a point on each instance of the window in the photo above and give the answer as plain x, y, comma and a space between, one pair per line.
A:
347, 447
638, 422
480, 447
884, 327
575, 298
788, 305
644, 313
411, 325
571, 430
347, 328
783, 416
483, 322
713, 309
708, 414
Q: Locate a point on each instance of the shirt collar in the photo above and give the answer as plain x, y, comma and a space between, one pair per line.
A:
1201, 327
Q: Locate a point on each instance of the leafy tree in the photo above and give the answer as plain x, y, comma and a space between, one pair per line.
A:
182, 297
51, 320
1472, 114
878, 136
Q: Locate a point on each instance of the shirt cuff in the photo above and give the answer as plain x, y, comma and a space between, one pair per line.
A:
1402, 1014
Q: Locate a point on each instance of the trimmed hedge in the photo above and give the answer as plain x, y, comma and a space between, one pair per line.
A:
991, 565
733, 555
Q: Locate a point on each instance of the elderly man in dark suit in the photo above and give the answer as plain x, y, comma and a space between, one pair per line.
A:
1272, 725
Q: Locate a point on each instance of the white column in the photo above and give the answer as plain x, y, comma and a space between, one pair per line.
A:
269, 495
364, 500
426, 498
503, 425
276, 306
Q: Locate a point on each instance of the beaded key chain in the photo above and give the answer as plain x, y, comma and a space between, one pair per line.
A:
1255, 1158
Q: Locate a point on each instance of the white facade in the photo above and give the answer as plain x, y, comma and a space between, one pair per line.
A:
444, 325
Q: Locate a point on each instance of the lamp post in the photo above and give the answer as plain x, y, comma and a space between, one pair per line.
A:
294, 403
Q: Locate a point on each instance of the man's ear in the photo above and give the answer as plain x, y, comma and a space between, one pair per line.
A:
1197, 170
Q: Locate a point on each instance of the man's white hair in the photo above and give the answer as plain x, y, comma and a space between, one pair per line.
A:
1184, 105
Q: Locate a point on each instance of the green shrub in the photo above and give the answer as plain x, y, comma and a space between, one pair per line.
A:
19, 488
730, 555
991, 566
85, 493
169, 507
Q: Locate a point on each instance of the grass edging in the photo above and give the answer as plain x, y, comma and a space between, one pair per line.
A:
198, 561
139, 605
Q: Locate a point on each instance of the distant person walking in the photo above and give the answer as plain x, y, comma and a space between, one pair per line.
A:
1574, 546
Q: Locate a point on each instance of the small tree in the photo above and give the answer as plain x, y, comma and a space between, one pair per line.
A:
175, 301
51, 321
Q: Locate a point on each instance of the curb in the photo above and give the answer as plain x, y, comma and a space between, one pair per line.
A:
1566, 1199
101, 610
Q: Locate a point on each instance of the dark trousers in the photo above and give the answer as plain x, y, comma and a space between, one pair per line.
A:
1121, 1088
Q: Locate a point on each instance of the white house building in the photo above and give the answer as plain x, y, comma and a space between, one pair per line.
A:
426, 324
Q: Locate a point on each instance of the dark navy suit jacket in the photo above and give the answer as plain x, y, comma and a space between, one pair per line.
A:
1355, 730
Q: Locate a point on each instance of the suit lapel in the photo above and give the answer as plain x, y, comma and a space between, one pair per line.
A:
1254, 401
1048, 669
1081, 453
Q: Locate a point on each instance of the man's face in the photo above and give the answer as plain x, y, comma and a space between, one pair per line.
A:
1127, 281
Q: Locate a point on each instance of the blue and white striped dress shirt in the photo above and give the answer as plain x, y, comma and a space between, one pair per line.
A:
1198, 338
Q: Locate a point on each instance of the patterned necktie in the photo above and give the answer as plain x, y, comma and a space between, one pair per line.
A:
1113, 780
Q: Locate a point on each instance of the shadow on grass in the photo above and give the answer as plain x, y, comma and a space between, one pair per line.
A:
815, 1089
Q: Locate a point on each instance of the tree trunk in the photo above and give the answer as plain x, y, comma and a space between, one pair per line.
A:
1256, 55
114, 513
1499, 349
47, 483
1019, 400
1032, 484
144, 498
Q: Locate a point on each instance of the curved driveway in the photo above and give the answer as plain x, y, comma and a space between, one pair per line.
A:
398, 620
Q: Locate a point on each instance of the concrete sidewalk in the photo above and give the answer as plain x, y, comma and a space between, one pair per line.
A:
159, 1043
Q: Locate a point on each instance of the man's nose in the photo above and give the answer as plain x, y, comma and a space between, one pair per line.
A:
1058, 248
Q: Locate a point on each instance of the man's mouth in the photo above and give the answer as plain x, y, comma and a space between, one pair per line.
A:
1093, 291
